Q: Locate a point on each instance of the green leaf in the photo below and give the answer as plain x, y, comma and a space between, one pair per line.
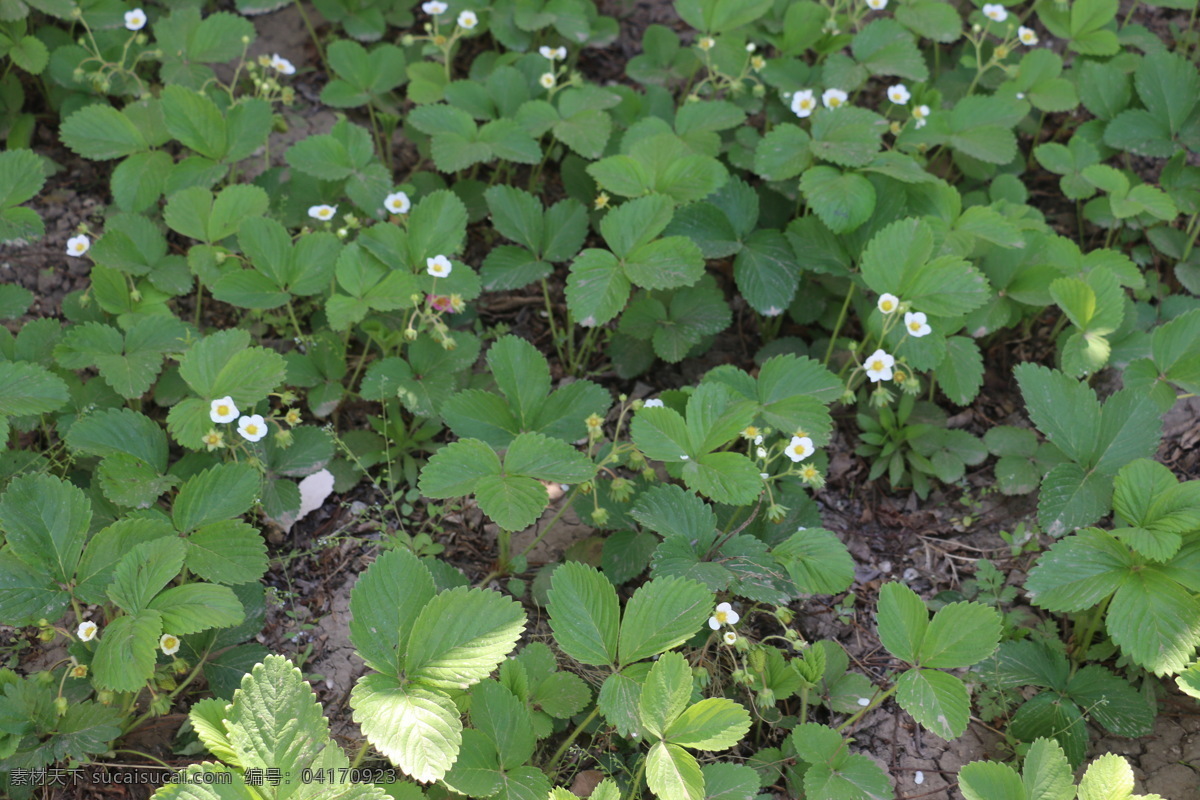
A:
1046, 392
937, 700
197, 606
130, 482
1155, 621
142, 572
227, 551
670, 511
597, 288
46, 521
903, 621
988, 780
715, 723
384, 605
665, 694
124, 658
898, 260
884, 47
275, 721
23, 177
960, 375
959, 635
101, 132
1112, 701
195, 121
816, 560
672, 772
783, 153
27, 388
417, 729
28, 594
112, 431
504, 719
1079, 571
460, 636
584, 614
662, 614
618, 701
843, 201
1109, 777
848, 136
217, 493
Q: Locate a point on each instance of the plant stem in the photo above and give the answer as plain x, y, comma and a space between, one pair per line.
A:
1084, 644
146, 756
868, 708
550, 525
562, 748
312, 33
362, 752
837, 328
635, 788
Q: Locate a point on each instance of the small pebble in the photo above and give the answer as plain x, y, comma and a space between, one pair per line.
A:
885, 566
864, 701
911, 575
918, 777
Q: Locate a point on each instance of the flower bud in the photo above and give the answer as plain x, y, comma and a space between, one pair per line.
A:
622, 489
160, 705
449, 344
61, 704
648, 474
283, 438
785, 615
586, 487
407, 40
757, 659
135, 296
776, 512
105, 697
410, 334
765, 698
599, 516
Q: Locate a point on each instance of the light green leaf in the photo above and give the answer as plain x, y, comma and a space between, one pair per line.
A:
217, 493
195, 607
227, 551
903, 621
1079, 571
384, 606
715, 723
672, 772
816, 560
937, 700
460, 636
960, 634
417, 729
584, 614
101, 132
662, 614
27, 388
665, 694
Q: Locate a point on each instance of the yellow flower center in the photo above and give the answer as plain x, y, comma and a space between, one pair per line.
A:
750, 432
834, 102
722, 617
877, 365
887, 305
222, 410
807, 103
77, 247
169, 642
914, 326
252, 429
324, 213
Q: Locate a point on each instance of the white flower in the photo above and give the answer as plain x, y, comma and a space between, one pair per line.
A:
706, 43
921, 115
397, 203
169, 644
438, 266
252, 428
898, 94
78, 245
803, 103
799, 448
467, 20
547, 80
879, 366
758, 439
995, 12
553, 53
725, 615
877, 5
87, 631
864, 701
730, 638
888, 303
1028, 36
546, 52
761, 452
434, 7
832, 98
655, 403
135, 20
684, 458
282, 65
322, 212
917, 327
751, 47
223, 410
